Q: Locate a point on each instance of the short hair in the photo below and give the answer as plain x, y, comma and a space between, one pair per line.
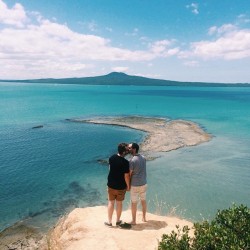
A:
136, 146
122, 147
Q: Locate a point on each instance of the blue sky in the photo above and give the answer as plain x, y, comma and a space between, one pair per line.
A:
207, 41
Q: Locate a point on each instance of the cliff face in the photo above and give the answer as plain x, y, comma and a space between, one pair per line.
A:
84, 228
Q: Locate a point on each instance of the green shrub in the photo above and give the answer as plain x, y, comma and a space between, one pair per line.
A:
229, 230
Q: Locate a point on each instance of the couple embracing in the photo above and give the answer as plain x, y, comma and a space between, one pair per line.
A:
125, 176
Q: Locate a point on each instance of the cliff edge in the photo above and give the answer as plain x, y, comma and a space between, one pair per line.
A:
84, 228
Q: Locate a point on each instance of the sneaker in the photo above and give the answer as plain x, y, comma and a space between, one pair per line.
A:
118, 223
108, 224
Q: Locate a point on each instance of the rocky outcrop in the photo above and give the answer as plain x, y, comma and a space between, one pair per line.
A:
84, 229
22, 237
38, 126
162, 135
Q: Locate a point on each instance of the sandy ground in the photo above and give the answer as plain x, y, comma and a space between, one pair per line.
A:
84, 228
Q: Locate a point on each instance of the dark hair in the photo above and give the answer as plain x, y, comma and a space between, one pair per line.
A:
122, 147
136, 146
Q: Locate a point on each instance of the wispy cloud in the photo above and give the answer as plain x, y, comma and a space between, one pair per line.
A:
109, 29
226, 28
242, 18
194, 7
120, 69
191, 63
133, 33
92, 26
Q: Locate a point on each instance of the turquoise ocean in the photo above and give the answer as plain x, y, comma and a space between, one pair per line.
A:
46, 172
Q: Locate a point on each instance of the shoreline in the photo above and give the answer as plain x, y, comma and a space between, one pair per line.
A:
162, 135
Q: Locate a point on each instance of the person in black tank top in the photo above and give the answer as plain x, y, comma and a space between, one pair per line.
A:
118, 183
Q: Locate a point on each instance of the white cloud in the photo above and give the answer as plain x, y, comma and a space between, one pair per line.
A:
229, 43
212, 30
120, 69
232, 44
33, 47
15, 16
194, 8
242, 18
191, 63
48, 49
156, 76
109, 29
92, 26
172, 52
162, 48
133, 33
226, 28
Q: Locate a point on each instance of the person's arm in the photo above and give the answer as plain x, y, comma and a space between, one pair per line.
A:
127, 180
130, 173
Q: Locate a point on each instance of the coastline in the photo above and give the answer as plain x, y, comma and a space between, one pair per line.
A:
83, 228
162, 135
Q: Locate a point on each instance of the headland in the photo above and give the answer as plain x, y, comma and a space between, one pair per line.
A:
84, 228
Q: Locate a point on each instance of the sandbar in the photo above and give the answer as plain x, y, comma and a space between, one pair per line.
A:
162, 135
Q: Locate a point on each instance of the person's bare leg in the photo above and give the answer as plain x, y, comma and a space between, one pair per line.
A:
144, 209
118, 210
133, 210
111, 205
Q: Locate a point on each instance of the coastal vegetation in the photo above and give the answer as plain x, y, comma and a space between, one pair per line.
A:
229, 230
118, 78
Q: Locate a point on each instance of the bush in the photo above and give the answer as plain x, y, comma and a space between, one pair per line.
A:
229, 230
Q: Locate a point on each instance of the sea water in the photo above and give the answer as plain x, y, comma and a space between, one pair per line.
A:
48, 171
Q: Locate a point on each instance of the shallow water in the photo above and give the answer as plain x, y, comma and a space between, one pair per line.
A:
48, 171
